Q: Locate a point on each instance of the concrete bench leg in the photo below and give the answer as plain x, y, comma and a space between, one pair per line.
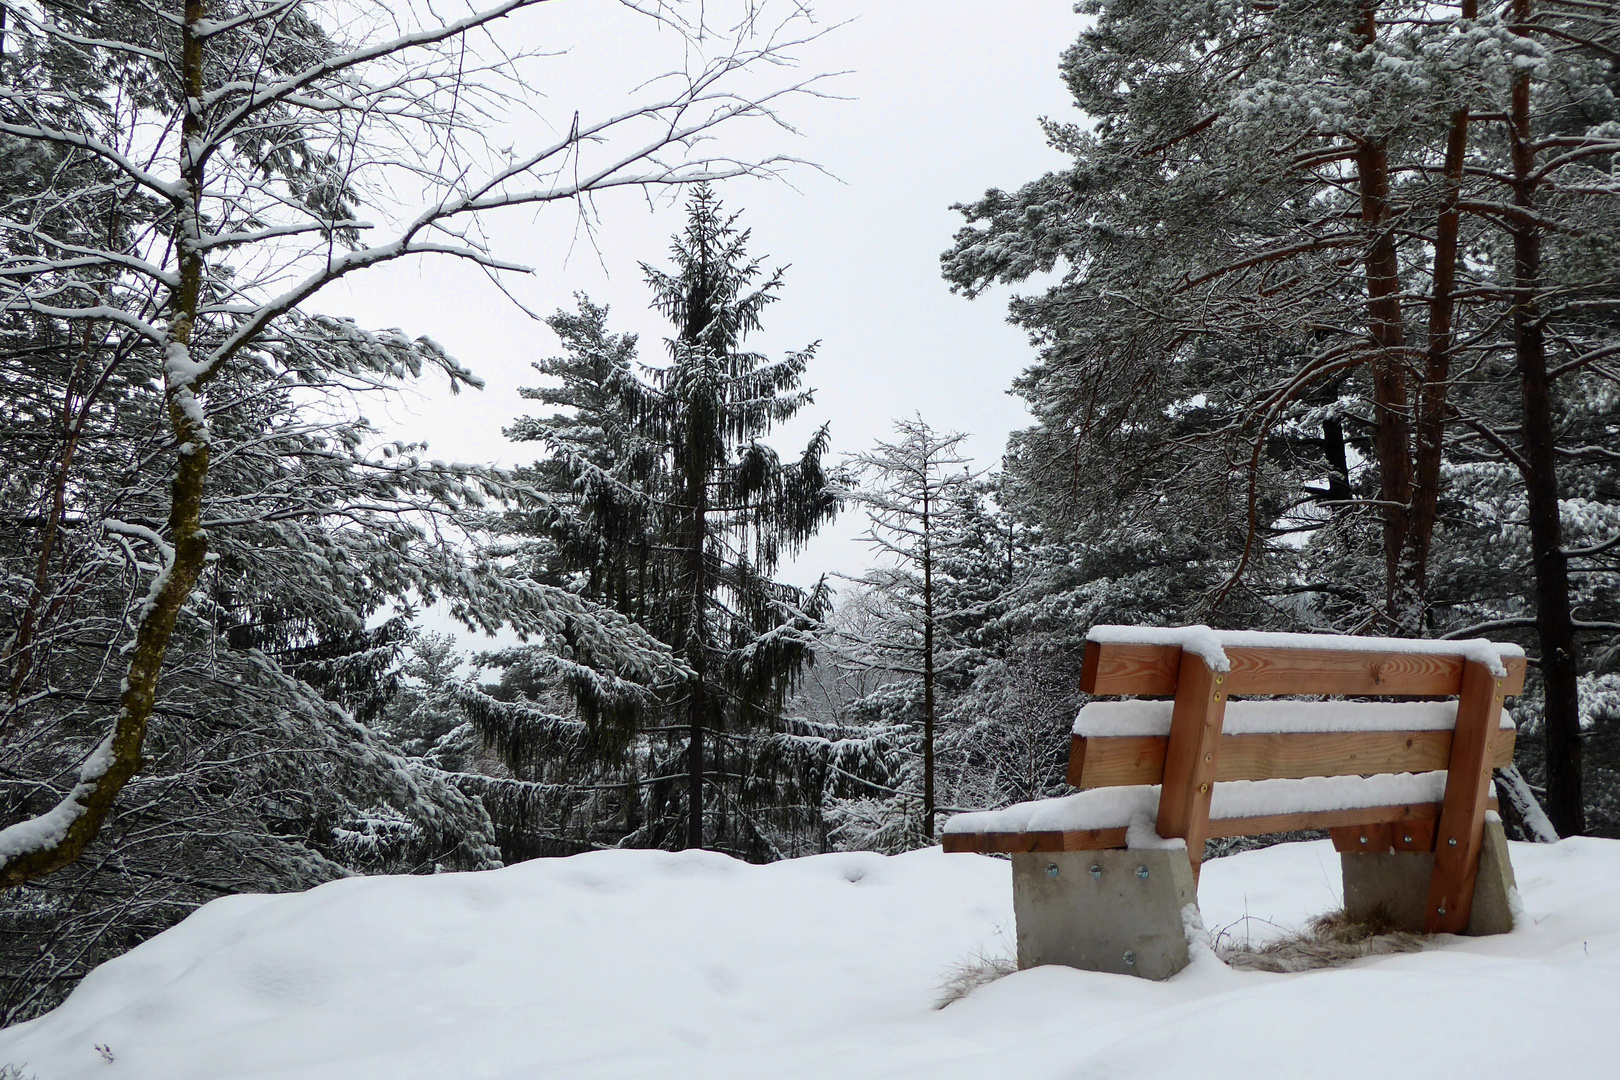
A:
1395, 884
1116, 911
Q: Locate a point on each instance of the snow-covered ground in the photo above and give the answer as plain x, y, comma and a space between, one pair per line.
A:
648, 964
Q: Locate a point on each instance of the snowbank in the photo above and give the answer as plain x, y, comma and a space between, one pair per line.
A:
646, 964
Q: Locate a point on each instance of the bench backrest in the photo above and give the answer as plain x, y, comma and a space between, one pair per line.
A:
1205, 670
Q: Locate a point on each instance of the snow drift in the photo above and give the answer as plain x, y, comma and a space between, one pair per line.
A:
649, 964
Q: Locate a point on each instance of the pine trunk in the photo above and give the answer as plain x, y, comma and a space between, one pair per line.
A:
1393, 440
1554, 624
1392, 444
1413, 571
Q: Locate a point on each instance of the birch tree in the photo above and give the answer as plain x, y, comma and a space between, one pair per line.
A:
205, 167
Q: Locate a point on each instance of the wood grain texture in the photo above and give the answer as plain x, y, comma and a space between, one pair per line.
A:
1045, 840
1124, 760
1149, 670
1413, 836
1462, 819
1152, 670
1189, 757
1369, 839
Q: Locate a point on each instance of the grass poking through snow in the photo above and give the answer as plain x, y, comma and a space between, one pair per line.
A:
963, 978
1331, 941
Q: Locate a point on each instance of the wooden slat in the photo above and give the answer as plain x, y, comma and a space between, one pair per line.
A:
1413, 836
1413, 819
1331, 671
1189, 758
1046, 840
1124, 760
1323, 819
1462, 818
1130, 669
1369, 839
1152, 670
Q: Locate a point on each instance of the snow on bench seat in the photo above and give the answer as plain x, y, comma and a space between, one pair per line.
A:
1102, 817
1139, 718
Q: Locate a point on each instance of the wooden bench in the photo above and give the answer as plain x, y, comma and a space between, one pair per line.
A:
1404, 788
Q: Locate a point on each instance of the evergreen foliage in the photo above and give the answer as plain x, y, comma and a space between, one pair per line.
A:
658, 498
1298, 369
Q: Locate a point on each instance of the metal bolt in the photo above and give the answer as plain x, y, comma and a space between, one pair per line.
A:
1130, 958
1407, 840
1440, 911
1209, 757
1051, 869
1219, 679
1452, 842
1096, 871
1217, 695
1363, 839
1142, 872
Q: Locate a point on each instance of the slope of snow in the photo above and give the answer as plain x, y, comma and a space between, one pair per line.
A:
647, 964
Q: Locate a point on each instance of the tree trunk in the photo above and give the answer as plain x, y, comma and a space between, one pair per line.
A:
76, 820
928, 668
697, 707
1393, 442
1432, 393
1554, 623
697, 652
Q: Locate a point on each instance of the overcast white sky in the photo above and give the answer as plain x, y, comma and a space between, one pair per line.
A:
941, 102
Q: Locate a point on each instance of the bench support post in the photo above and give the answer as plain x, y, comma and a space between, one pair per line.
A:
1190, 757
1118, 911
1460, 830
1394, 885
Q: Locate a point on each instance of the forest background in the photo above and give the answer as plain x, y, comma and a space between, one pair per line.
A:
1322, 303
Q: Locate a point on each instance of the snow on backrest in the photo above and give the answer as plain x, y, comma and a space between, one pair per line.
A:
1139, 717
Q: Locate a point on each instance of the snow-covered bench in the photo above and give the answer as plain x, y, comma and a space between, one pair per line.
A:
1106, 878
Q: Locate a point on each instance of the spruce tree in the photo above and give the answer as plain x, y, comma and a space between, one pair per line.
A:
657, 496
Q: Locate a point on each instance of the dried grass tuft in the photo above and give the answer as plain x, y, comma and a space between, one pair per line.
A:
1331, 941
962, 979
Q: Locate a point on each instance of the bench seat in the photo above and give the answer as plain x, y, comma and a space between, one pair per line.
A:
1100, 818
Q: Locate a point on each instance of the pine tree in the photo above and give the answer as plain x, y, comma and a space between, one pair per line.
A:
1322, 312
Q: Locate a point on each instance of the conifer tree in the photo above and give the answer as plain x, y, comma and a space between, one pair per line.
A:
733, 508
658, 497
917, 494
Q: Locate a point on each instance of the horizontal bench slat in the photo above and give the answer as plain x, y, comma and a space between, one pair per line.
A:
1152, 670
1012, 843
1108, 839
1121, 761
